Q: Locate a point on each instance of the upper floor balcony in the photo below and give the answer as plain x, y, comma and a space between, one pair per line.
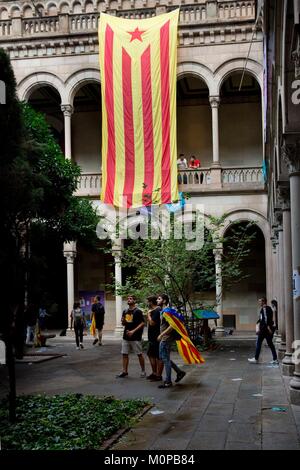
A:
21, 19
202, 180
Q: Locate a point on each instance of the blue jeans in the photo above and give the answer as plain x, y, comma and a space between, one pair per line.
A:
164, 355
269, 339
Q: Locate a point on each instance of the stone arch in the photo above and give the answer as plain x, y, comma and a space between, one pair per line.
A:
101, 5
246, 215
89, 6
250, 215
3, 13
77, 80
27, 11
77, 7
126, 4
64, 7
37, 80
15, 11
51, 8
197, 70
40, 7
236, 65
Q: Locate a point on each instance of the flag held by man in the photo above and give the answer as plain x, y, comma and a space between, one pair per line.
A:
138, 79
185, 346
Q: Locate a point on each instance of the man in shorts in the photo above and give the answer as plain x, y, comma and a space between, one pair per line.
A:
153, 345
133, 321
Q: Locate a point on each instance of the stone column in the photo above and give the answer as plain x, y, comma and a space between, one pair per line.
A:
219, 295
281, 297
275, 283
67, 110
70, 255
291, 155
214, 103
287, 363
117, 254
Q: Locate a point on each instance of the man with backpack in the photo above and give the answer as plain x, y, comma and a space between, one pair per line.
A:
98, 313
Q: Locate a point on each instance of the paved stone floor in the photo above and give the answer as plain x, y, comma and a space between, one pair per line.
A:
210, 409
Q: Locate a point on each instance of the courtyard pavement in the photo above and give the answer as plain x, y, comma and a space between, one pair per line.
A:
226, 403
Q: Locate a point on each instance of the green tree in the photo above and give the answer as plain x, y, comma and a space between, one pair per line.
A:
37, 187
165, 265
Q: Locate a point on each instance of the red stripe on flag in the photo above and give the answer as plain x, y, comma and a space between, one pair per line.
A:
185, 352
165, 110
148, 127
109, 101
128, 127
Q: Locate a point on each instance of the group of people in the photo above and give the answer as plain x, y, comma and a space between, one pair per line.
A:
78, 321
35, 320
192, 164
160, 338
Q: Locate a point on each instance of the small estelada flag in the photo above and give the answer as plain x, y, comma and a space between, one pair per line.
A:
138, 61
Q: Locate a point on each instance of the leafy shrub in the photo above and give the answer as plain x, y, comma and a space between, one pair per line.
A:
65, 422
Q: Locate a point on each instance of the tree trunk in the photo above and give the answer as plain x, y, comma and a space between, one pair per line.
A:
10, 361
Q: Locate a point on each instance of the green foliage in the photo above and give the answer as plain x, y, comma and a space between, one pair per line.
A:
37, 187
157, 266
65, 422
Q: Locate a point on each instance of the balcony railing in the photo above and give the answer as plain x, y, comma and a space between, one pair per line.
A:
71, 23
199, 177
199, 180
242, 175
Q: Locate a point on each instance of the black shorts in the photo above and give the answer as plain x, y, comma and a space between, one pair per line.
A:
153, 349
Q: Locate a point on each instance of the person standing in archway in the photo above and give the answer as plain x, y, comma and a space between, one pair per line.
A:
264, 330
98, 313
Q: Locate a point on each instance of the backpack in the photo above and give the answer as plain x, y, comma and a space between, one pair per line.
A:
78, 315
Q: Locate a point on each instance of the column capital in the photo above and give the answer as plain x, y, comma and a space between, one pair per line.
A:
296, 59
70, 251
283, 195
274, 241
214, 101
277, 226
67, 109
291, 156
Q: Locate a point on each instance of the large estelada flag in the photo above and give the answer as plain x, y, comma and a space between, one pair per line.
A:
185, 346
138, 78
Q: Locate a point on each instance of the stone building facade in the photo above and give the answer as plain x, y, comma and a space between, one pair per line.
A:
53, 46
282, 28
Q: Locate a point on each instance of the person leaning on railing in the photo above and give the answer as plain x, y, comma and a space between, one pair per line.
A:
194, 163
182, 165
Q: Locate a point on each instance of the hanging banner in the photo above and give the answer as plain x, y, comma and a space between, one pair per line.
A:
138, 61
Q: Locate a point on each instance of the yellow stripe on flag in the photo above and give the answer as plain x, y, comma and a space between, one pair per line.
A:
138, 70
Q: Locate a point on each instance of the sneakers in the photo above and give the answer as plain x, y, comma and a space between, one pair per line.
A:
81, 345
180, 376
122, 375
156, 378
143, 374
77, 347
165, 385
100, 344
95, 341
253, 360
151, 377
275, 361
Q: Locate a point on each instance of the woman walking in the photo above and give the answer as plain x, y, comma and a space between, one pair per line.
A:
77, 318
